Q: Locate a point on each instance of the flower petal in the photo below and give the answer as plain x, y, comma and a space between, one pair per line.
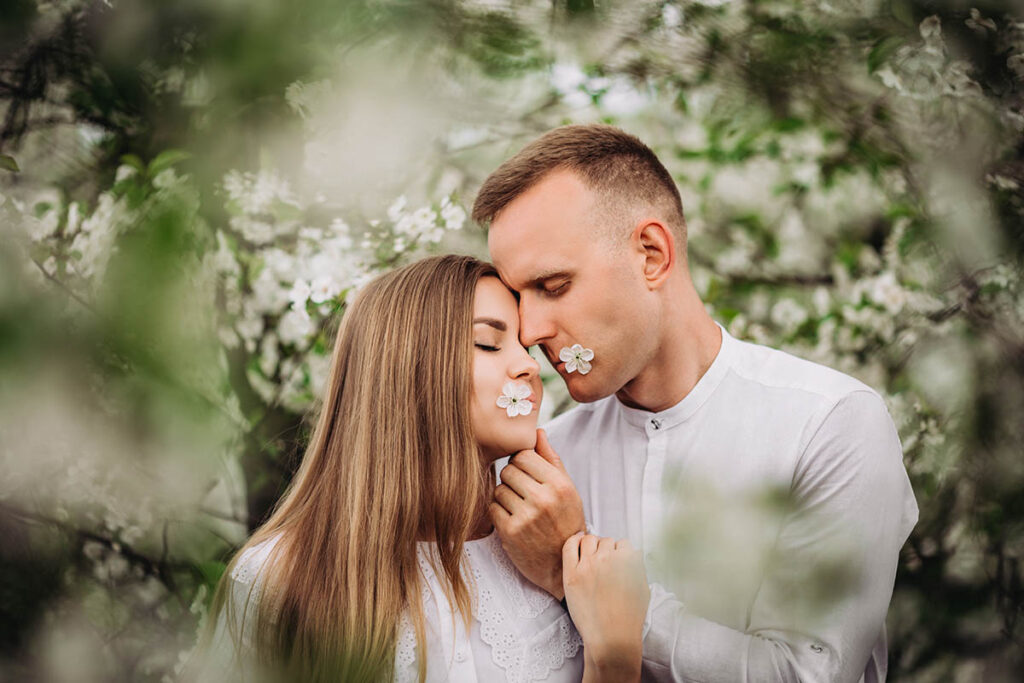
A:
525, 408
565, 355
522, 391
576, 348
584, 367
570, 365
587, 355
508, 388
504, 401
511, 410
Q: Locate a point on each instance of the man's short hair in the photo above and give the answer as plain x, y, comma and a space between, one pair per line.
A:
618, 166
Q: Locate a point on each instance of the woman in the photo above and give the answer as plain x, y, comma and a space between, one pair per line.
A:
380, 561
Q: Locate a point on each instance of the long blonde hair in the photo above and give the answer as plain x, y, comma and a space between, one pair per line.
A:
392, 460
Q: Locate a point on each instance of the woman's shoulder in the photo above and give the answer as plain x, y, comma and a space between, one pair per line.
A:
252, 560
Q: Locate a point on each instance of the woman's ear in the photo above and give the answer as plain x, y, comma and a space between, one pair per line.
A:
657, 243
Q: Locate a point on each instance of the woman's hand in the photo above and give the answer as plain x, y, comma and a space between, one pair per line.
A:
606, 590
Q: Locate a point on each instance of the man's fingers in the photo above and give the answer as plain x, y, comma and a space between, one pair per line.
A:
545, 450
588, 546
571, 553
507, 498
535, 466
623, 544
519, 481
605, 544
499, 515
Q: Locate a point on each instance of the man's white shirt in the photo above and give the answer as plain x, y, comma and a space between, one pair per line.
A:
770, 503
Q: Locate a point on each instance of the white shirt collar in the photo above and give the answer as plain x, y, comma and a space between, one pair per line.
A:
692, 402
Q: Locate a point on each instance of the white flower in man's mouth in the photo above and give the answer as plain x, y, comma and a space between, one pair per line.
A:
514, 399
576, 358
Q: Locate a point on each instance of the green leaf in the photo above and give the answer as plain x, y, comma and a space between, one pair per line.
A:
9, 164
134, 161
211, 572
165, 160
881, 51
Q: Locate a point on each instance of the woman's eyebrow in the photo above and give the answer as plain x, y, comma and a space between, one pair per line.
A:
493, 322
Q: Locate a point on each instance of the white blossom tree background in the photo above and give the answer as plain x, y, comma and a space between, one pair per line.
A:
190, 192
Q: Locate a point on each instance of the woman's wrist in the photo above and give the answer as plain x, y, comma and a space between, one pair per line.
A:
613, 662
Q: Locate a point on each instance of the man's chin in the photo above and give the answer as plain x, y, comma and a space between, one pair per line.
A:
584, 389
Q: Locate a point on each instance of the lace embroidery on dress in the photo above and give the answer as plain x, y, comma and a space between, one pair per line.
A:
405, 652
406, 669
523, 662
529, 601
247, 577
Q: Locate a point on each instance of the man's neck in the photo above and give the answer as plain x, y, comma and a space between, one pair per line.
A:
688, 347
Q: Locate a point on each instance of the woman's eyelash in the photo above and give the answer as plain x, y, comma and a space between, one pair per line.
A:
485, 347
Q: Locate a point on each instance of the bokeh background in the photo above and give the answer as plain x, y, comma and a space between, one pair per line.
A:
190, 191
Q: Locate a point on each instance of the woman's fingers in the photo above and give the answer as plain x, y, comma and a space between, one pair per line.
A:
588, 546
571, 553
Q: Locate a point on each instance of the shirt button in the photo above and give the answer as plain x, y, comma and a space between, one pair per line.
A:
460, 656
656, 423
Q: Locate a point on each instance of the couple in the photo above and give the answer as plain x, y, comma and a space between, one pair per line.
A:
395, 555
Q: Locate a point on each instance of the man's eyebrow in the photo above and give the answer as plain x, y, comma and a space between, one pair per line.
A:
493, 322
544, 277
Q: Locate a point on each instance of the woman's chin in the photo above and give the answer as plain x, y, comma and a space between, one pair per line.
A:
527, 440
521, 440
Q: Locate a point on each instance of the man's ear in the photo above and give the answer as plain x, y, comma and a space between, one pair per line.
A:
657, 243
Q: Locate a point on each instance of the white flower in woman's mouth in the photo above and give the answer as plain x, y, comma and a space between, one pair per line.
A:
514, 399
576, 358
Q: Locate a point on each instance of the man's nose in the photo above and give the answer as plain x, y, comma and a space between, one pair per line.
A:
534, 326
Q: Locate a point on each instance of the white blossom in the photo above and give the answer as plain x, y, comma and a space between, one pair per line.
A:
514, 399
256, 193
397, 209
295, 327
299, 294
268, 295
253, 230
453, 215
124, 172
887, 292
576, 358
788, 314
269, 355
324, 288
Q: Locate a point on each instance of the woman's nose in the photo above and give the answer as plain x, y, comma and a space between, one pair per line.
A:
525, 366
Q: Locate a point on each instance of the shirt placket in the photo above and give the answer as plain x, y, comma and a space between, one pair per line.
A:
650, 500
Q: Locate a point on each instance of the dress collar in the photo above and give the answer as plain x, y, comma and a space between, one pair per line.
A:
692, 402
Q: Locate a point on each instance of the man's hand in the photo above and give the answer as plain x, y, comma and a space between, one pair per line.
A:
535, 509
606, 589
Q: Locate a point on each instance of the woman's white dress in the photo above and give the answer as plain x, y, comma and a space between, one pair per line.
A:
518, 633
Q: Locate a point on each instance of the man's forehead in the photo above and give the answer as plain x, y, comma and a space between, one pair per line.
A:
521, 265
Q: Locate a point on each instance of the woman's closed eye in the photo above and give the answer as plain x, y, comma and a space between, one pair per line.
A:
487, 347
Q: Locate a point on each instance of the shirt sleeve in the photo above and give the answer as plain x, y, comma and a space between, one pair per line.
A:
822, 604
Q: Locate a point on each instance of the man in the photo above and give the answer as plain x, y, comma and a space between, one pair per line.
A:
767, 493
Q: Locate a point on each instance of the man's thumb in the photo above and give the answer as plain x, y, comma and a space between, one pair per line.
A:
545, 450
